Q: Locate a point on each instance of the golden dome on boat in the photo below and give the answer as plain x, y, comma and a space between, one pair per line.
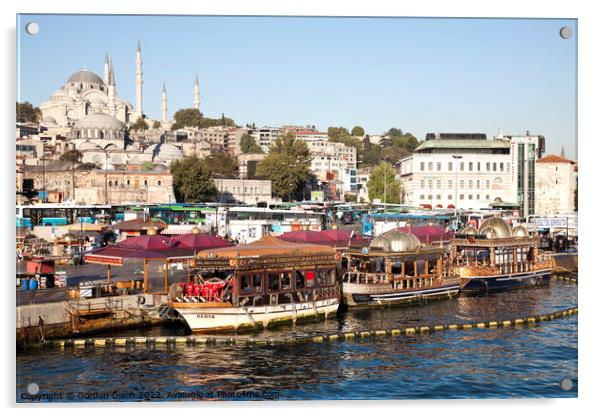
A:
151, 231
396, 241
501, 227
469, 230
488, 232
520, 231
381, 242
195, 230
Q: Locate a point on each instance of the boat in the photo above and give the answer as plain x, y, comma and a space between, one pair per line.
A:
395, 269
255, 285
497, 257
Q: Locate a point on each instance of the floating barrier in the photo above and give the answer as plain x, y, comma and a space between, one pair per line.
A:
331, 337
566, 278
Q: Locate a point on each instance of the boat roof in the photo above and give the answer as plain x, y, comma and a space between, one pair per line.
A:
267, 246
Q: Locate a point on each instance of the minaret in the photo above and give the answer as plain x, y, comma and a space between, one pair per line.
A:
139, 81
111, 92
197, 94
164, 105
106, 80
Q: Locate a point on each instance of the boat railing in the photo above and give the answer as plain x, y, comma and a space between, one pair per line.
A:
365, 277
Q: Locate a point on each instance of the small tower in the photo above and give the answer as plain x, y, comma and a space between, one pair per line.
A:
164, 119
139, 81
197, 94
106, 78
111, 92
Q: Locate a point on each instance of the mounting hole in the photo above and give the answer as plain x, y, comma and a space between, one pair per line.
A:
32, 28
565, 32
566, 384
33, 388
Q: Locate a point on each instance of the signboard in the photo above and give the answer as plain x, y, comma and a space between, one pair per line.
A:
317, 196
92, 258
551, 222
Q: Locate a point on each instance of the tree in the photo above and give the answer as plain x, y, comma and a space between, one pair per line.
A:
27, 113
156, 125
221, 164
286, 165
192, 180
393, 132
357, 131
72, 156
376, 184
248, 145
187, 117
147, 166
140, 124
336, 133
372, 154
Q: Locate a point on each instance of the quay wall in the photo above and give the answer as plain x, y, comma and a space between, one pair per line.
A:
39, 322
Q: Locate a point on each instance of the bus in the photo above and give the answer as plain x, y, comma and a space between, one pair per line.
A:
58, 214
181, 213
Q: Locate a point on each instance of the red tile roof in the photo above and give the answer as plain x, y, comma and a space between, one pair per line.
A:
554, 159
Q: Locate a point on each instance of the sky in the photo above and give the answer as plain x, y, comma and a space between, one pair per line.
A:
418, 74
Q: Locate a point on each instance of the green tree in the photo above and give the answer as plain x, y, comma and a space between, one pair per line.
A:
371, 155
335, 134
147, 166
221, 164
27, 113
286, 165
157, 124
357, 131
140, 124
192, 180
187, 117
248, 145
393, 132
384, 172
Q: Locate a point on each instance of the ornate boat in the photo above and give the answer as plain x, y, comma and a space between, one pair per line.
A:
254, 285
395, 269
496, 257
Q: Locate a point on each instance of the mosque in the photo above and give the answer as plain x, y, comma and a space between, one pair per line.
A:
97, 119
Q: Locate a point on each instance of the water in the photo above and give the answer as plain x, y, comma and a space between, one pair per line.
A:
478, 363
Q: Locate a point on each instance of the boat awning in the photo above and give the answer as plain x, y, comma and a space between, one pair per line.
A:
179, 229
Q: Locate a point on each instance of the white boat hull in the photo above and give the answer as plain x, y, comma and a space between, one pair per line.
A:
208, 319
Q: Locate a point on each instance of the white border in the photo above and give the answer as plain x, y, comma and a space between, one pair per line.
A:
589, 161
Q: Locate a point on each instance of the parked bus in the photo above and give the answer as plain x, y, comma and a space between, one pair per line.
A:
58, 214
181, 213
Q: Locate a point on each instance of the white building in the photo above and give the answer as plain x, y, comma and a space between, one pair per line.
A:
463, 173
310, 135
265, 137
336, 159
472, 172
245, 191
555, 182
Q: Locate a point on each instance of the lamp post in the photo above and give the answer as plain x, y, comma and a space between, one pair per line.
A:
456, 204
104, 150
43, 171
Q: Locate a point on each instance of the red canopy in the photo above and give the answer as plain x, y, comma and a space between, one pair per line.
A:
429, 233
305, 236
337, 235
199, 241
148, 242
113, 255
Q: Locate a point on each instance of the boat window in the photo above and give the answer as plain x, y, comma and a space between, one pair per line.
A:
274, 281
250, 283
409, 268
321, 274
285, 280
299, 280
396, 267
331, 277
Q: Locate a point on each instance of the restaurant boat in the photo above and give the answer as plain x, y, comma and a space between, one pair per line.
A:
395, 269
496, 257
251, 286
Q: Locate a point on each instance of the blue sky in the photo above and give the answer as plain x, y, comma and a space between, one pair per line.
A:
420, 75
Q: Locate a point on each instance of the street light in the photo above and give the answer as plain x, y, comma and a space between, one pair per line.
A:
456, 204
104, 149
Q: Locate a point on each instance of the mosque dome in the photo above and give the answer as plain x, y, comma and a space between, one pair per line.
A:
85, 76
99, 121
48, 121
167, 152
520, 231
61, 95
501, 227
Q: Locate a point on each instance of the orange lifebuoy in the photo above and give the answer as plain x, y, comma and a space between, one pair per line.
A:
233, 262
337, 256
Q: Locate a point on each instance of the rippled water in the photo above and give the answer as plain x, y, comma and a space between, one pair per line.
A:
478, 363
